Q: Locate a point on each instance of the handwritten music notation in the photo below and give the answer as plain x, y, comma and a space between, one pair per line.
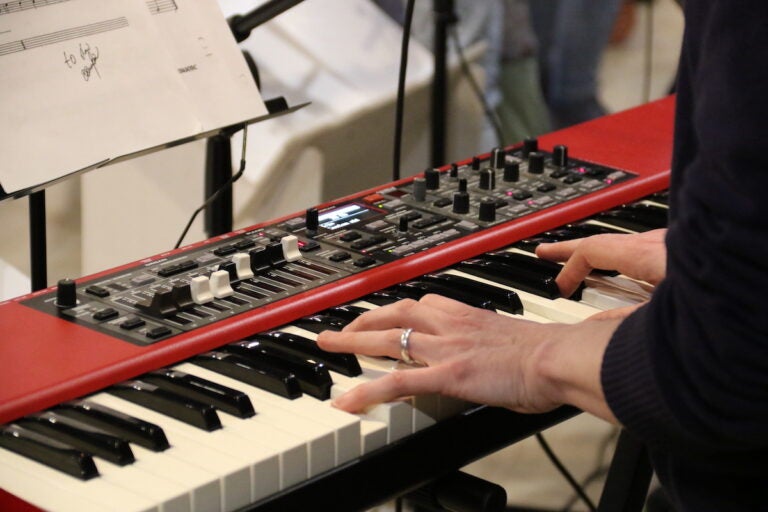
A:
161, 6
63, 35
23, 5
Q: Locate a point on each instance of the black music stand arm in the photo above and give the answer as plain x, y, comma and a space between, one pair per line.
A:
444, 16
218, 160
38, 251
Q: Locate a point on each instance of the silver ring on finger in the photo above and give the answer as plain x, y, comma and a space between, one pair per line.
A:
405, 353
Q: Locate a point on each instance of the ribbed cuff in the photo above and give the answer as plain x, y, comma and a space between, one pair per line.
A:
629, 383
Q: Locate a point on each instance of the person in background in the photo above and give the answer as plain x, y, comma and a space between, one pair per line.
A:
572, 35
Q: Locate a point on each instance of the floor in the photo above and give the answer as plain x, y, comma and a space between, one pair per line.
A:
584, 443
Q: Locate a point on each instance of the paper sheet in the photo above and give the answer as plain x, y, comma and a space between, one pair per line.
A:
85, 81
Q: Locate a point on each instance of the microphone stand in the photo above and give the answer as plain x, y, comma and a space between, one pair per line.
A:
444, 16
218, 161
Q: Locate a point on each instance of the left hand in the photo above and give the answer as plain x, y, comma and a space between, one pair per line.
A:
468, 353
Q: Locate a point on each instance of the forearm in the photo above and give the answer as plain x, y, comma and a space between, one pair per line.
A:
568, 364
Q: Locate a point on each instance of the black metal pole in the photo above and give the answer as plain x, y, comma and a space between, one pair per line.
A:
218, 170
38, 252
443, 10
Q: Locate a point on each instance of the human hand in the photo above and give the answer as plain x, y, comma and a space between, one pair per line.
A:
478, 356
640, 256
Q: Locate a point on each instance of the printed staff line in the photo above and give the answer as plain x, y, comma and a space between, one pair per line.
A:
161, 6
62, 35
23, 5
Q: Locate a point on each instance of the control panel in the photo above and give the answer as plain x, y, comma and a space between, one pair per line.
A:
163, 297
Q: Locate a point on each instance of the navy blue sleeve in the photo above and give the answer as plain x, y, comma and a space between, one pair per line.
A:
689, 372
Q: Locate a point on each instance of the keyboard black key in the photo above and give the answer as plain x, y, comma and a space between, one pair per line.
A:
345, 312
509, 276
345, 364
166, 402
313, 377
80, 436
636, 217
417, 289
250, 371
50, 452
537, 274
503, 300
320, 322
385, 297
135, 430
224, 398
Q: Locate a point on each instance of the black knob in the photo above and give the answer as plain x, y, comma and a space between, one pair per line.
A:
530, 145
487, 211
420, 189
536, 163
461, 198
512, 172
66, 294
312, 221
560, 156
487, 179
475, 163
498, 158
403, 224
432, 177
454, 172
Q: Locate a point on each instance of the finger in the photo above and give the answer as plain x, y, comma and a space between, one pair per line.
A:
402, 314
618, 313
557, 251
398, 384
369, 343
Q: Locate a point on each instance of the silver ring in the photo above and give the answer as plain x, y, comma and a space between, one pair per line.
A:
405, 353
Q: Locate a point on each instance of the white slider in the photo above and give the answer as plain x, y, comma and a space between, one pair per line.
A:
243, 265
220, 286
290, 248
200, 288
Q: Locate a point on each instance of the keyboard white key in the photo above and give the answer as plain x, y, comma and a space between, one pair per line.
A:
51, 489
217, 451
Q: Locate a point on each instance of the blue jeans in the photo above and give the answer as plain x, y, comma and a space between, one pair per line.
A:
572, 36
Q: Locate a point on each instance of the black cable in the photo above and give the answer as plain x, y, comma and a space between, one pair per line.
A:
490, 114
600, 469
221, 189
566, 474
399, 109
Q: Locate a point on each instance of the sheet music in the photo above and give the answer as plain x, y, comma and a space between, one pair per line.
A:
86, 81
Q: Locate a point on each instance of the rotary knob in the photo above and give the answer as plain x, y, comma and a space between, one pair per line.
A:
312, 221
487, 179
420, 189
461, 198
498, 158
487, 212
475, 163
432, 179
560, 156
512, 172
530, 145
66, 294
536, 163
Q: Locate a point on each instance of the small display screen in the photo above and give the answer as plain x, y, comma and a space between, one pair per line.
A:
344, 216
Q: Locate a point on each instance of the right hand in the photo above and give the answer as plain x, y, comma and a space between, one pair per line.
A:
641, 256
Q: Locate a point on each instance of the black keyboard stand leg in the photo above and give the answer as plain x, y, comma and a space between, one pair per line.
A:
629, 477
